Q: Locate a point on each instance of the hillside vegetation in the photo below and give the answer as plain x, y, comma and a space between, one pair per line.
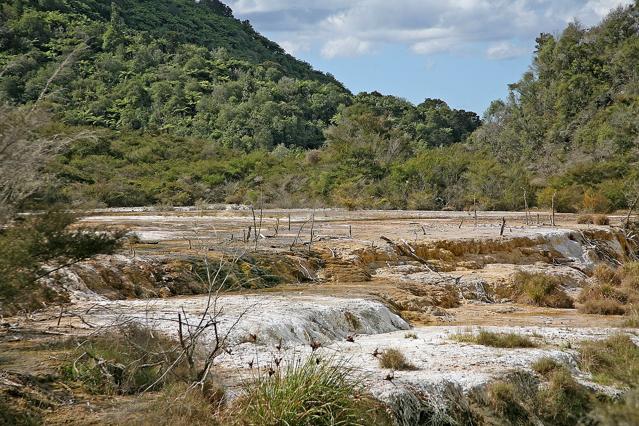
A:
186, 103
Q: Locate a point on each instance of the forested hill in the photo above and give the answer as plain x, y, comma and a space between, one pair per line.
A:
573, 118
175, 66
184, 103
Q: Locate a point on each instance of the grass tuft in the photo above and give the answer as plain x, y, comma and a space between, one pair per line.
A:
394, 359
615, 292
614, 360
540, 290
496, 340
307, 393
593, 219
546, 365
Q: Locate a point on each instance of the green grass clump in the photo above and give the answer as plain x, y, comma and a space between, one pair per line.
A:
394, 359
563, 401
126, 361
546, 365
496, 340
614, 360
540, 290
307, 393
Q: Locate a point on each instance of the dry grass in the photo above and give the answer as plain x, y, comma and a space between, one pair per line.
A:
615, 292
394, 359
125, 361
496, 340
593, 219
540, 290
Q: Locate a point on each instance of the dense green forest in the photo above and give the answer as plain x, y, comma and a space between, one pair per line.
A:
177, 101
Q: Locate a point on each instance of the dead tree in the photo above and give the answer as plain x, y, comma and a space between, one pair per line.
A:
632, 207
552, 204
526, 207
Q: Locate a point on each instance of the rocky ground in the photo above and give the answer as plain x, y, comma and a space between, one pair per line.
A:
341, 284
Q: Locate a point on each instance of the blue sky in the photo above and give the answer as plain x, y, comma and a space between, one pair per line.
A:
465, 52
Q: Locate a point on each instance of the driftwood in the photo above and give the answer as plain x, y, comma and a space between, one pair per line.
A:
407, 250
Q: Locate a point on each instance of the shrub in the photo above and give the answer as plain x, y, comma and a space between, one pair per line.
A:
496, 340
541, 290
410, 335
614, 360
307, 393
504, 399
394, 359
50, 240
126, 361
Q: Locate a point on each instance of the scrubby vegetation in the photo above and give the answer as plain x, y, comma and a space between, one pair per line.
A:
394, 359
496, 340
613, 292
129, 360
220, 113
540, 289
33, 247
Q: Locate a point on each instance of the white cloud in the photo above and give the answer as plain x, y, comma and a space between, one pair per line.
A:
355, 27
294, 47
349, 46
505, 50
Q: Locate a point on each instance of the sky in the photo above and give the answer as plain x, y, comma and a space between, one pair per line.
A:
465, 52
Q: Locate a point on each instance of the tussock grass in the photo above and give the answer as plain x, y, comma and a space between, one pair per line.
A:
540, 290
307, 393
593, 219
615, 292
521, 399
394, 359
496, 340
545, 366
614, 360
410, 335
